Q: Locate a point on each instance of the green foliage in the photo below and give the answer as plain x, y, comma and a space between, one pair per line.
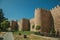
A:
37, 27
4, 25
3, 21
1, 16
22, 32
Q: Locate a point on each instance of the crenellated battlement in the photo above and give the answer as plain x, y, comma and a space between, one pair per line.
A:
38, 8
55, 7
41, 9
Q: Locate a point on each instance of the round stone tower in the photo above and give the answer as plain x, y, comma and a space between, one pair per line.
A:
44, 20
37, 17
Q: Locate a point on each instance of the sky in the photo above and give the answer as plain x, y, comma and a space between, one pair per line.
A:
18, 9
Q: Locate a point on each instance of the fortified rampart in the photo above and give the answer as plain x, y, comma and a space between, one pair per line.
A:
47, 22
24, 25
43, 18
46, 19
56, 16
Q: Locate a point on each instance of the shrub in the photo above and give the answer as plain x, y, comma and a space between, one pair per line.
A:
37, 27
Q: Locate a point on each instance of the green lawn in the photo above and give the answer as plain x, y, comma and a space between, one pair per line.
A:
22, 32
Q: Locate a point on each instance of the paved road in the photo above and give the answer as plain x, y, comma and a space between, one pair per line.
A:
8, 36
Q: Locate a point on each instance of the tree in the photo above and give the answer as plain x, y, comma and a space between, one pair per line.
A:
1, 16
2, 19
4, 25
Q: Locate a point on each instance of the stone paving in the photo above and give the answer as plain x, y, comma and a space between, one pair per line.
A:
7, 35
